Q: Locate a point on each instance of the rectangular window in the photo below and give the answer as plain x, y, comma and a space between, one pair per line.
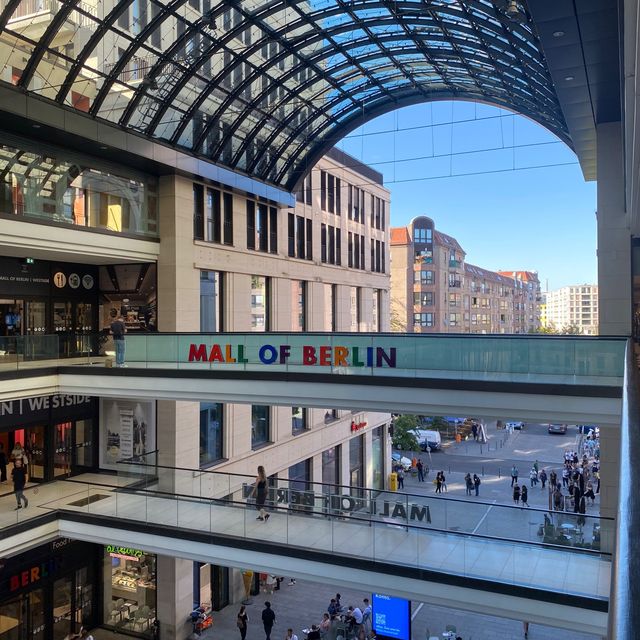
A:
330, 469
211, 433
331, 243
291, 235
338, 197
260, 425
309, 252
251, 224
378, 257
309, 189
211, 310
298, 305
259, 303
423, 277
298, 420
331, 193
227, 206
423, 298
262, 229
423, 319
323, 190
323, 243
300, 243
362, 253
350, 201
338, 247
422, 235
213, 228
373, 254
383, 258
273, 230
350, 250
373, 211
198, 212
356, 250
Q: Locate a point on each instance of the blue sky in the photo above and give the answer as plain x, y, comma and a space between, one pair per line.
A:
539, 219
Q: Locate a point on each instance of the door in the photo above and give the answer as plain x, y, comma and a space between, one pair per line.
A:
63, 326
62, 449
33, 441
83, 450
62, 608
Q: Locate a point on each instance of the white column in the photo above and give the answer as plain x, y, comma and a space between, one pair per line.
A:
175, 597
614, 235
609, 478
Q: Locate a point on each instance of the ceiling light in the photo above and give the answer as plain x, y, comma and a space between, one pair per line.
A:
515, 12
569, 78
35, 126
558, 34
103, 147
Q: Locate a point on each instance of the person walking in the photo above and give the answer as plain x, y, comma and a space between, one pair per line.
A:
558, 498
3, 464
400, 474
118, 329
19, 477
438, 482
553, 479
516, 493
260, 493
444, 481
565, 476
543, 478
474, 431
468, 483
242, 622
420, 468
268, 619
524, 495
533, 477
514, 475
476, 483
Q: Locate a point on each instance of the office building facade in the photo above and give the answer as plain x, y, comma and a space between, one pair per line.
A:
573, 308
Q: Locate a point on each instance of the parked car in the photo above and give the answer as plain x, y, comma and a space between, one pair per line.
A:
557, 428
514, 425
398, 458
427, 438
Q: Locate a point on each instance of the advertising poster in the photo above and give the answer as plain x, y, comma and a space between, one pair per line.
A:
391, 617
127, 430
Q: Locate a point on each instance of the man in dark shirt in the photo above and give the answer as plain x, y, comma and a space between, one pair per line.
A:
268, 618
118, 329
19, 477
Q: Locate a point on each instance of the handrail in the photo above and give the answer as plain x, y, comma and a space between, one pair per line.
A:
281, 508
624, 612
404, 494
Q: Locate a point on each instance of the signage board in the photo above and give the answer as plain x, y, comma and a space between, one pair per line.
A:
391, 617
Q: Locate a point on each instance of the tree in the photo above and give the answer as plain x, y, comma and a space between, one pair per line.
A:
571, 330
397, 324
404, 436
438, 423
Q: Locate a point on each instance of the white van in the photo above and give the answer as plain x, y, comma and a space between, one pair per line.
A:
427, 438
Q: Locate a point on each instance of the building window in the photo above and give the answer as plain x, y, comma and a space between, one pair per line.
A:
423, 277
260, 425
377, 458
356, 250
298, 305
260, 303
323, 243
300, 475
211, 425
309, 251
423, 298
330, 308
198, 212
298, 420
423, 319
350, 250
291, 235
211, 301
331, 194
227, 206
422, 235
356, 465
262, 227
331, 469
323, 190
300, 239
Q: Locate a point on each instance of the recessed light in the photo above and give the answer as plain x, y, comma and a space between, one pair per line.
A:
103, 147
558, 34
35, 126
569, 78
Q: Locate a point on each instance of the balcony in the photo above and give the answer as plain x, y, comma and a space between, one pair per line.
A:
456, 284
455, 264
32, 18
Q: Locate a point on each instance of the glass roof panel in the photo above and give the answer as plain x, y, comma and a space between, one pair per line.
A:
267, 86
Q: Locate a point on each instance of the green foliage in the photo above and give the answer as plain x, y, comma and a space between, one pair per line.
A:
438, 423
403, 433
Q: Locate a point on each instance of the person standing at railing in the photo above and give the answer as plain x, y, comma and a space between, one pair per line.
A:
118, 329
260, 493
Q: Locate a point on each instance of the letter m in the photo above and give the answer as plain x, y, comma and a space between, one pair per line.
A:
198, 352
419, 512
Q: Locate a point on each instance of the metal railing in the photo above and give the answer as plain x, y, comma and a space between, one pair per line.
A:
624, 612
31, 8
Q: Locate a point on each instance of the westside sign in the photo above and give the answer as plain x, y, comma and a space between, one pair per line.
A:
306, 355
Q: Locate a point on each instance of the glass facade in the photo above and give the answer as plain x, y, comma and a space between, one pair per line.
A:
259, 303
211, 309
211, 432
356, 464
298, 419
260, 425
129, 584
330, 468
41, 184
300, 475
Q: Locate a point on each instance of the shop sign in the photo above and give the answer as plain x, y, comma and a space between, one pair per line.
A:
31, 409
124, 553
17, 279
307, 355
345, 504
356, 426
34, 574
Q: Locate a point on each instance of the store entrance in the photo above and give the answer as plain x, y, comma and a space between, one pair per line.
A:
23, 617
20, 317
72, 321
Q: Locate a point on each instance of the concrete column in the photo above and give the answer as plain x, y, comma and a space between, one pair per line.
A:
614, 235
609, 478
175, 597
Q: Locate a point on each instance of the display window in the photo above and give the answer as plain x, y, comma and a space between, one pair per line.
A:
130, 596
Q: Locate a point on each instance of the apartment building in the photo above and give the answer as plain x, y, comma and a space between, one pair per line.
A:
573, 307
435, 290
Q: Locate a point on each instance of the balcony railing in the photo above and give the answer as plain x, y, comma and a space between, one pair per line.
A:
134, 69
455, 264
456, 284
32, 8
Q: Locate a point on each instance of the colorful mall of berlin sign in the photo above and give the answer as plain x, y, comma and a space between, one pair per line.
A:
307, 355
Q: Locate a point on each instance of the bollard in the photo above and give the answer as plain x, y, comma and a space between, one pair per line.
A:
480, 449
483, 471
499, 473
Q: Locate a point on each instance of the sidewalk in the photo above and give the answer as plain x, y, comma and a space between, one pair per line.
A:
300, 605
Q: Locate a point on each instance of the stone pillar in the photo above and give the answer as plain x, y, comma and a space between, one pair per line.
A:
614, 235
609, 478
175, 597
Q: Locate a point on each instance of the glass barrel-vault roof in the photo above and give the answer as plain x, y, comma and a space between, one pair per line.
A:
267, 86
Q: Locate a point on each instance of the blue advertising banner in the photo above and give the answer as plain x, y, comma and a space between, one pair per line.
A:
391, 617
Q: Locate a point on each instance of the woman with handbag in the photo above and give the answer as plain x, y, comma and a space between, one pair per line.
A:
242, 622
260, 493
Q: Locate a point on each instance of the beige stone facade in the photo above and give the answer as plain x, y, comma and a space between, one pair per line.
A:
573, 306
434, 289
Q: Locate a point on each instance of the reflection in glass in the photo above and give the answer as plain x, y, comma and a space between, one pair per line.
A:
259, 303
260, 425
211, 425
